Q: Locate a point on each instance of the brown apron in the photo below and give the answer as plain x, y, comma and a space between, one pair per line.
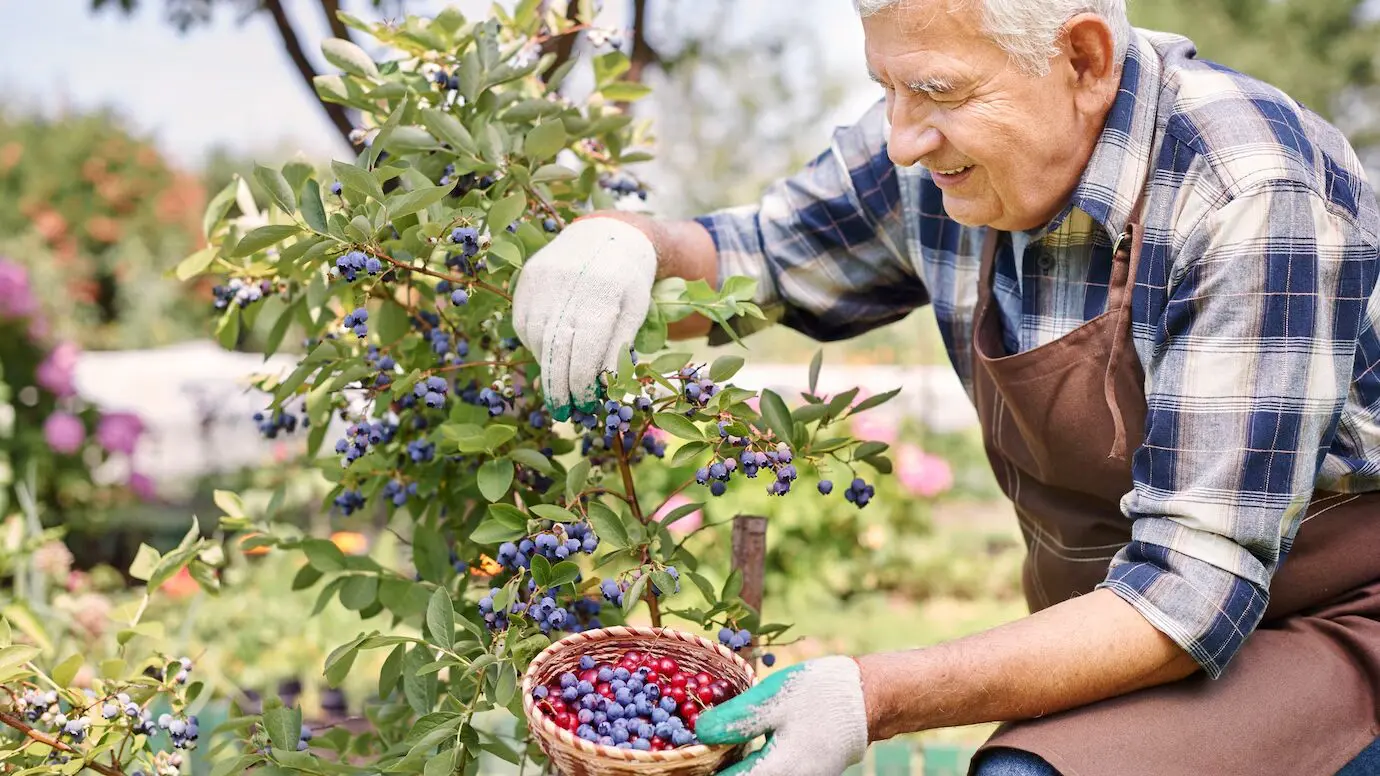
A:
1303, 694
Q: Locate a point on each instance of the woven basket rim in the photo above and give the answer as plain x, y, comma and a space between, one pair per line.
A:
535, 717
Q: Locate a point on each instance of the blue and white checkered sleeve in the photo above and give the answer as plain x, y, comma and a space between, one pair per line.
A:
827, 246
1250, 371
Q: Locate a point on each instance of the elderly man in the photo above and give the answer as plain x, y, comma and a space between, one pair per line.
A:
1156, 278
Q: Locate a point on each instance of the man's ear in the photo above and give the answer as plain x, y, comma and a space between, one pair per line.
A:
1090, 52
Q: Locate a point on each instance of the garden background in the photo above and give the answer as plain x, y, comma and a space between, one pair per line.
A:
121, 119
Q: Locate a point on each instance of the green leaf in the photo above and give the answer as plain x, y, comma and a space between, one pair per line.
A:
879, 462
16, 655
553, 512
507, 684
532, 459
689, 452
874, 401
284, 727
195, 264
144, 563
277, 187
634, 593
550, 173
430, 554
815, 364
393, 322
323, 555
359, 592
413, 201
705, 588
777, 417
219, 206
867, 449
350, 58
495, 477
544, 140
563, 573
64, 672
679, 512
733, 585
608, 526
493, 532
313, 212
228, 328
306, 577
263, 237
509, 516
391, 671
497, 436
506, 211
725, 367
362, 181
625, 91
541, 570
229, 502
667, 363
440, 618
449, 129
677, 425
575, 479
340, 660
665, 583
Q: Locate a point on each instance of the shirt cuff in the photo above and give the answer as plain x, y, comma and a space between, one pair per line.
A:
1205, 609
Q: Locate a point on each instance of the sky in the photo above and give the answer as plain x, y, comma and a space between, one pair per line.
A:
229, 84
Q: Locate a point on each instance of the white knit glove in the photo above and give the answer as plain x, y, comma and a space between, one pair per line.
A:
813, 714
579, 303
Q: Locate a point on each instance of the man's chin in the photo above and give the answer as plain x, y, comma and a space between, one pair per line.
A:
965, 212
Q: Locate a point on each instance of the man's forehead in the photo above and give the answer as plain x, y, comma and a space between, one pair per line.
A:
928, 17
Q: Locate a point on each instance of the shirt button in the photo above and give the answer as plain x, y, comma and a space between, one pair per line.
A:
1045, 262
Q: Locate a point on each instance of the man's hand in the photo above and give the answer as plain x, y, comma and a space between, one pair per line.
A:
813, 714
579, 303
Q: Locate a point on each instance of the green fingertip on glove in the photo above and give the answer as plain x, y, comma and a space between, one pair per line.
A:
746, 765
562, 412
741, 719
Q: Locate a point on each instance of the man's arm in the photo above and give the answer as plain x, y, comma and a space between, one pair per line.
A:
684, 249
1081, 651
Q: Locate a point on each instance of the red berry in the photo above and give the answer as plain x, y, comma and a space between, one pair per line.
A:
657, 744
705, 693
717, 694
679, 680
604, 689
678, 693
563, 720
688, 708
691, 720
557, 705
702, 678
632, 656
652, 678
667, 666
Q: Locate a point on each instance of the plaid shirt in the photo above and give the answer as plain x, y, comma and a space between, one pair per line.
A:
1254, 312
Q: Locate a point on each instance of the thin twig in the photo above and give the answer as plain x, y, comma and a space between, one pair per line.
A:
441, 275
29, 732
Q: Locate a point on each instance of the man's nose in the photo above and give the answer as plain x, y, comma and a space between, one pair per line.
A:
912, 141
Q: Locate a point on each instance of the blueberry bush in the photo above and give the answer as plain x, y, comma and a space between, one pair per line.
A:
421, 406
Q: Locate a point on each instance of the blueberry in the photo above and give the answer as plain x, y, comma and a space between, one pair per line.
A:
826, 487
459, 297
769, 660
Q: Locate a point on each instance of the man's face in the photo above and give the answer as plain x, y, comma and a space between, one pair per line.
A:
1007, 149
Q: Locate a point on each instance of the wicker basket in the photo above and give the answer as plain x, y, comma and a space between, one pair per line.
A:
575, 756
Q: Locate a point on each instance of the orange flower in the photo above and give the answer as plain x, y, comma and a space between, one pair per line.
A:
252, 550
486, 567
350, 542
180, 585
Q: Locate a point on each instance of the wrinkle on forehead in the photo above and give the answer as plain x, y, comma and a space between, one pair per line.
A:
918, 16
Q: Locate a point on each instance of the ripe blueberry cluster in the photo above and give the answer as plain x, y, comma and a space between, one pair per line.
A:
624, 186
359, 436
546, 612
734, 640
643, 702
398, 492
432, 391
750, 463
448, 82
458, 296
240, 292
271, 423
358, 322
697, 389
562, 542
859, 492
385, 365
304, 739
616, 420
421, 451
351, 264
182, 731
467, 237
491, 397
349, 501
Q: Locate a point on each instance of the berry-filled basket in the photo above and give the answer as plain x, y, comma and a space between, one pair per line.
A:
575, 756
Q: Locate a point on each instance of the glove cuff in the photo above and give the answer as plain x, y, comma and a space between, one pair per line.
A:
839, 686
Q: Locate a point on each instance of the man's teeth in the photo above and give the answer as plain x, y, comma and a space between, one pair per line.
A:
954, 171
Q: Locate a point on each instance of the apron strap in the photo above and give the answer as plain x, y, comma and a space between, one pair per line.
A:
1123, 282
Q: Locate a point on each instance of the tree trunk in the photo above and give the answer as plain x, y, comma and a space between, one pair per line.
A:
335, 112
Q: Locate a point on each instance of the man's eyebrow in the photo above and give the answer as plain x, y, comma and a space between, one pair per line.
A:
929, 85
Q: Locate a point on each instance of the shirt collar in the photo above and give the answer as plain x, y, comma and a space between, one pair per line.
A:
1116, 174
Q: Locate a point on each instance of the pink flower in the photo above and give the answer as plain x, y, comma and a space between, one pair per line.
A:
868, 426
119, 432
64, 432
57, 373
684, 525
921, 473
143, 487
658, 435
16, 297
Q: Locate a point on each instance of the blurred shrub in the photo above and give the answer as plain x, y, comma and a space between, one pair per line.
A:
108, 215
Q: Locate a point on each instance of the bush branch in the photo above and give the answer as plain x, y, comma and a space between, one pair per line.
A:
29, 732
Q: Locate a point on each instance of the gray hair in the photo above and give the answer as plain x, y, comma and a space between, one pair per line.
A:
1028, 30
